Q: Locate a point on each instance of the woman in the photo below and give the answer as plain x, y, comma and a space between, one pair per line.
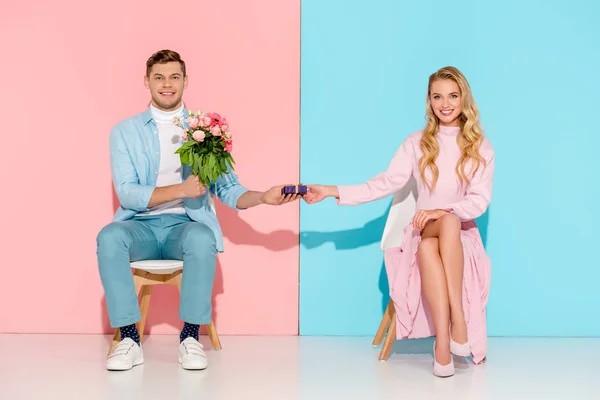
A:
441, 255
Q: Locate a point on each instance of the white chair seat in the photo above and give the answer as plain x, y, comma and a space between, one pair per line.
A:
158, 266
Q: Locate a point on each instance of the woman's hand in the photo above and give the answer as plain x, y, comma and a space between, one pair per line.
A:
423, 217
317, 193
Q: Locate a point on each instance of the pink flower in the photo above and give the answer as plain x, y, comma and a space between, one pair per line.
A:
225, 128
229, 146
215, 130
192, 122
205, 121
199, 136
184, 137
217, 119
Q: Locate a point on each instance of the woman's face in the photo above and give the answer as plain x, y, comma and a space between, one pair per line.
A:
446, 101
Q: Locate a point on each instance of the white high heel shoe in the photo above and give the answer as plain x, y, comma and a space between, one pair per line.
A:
461, 350
443, 371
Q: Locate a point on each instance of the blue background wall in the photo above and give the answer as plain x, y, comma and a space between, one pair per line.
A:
533, 67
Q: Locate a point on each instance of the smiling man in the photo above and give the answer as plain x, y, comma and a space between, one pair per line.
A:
164, 213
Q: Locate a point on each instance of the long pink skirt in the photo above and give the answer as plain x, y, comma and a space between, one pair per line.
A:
413, 318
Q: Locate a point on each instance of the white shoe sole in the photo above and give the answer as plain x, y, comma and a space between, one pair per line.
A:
193, 365
124, 367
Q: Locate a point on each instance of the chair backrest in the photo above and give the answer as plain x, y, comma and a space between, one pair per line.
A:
401, 213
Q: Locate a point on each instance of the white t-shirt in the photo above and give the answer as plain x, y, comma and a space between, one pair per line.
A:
169, 171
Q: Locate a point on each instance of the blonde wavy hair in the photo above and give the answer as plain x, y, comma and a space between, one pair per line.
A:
469, 139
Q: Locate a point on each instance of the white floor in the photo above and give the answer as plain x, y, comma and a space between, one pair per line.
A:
72, 367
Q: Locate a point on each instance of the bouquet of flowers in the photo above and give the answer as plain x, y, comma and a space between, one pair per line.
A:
207, 145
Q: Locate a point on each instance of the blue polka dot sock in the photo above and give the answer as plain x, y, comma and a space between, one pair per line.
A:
130, 331
189, 330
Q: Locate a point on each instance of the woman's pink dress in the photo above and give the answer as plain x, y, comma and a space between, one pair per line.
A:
413, 317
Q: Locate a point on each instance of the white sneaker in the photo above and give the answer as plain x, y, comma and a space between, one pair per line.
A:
125, 356
191, 354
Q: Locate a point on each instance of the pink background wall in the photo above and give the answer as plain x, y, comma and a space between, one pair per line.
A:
70, 71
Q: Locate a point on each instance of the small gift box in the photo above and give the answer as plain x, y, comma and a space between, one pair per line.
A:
294, 189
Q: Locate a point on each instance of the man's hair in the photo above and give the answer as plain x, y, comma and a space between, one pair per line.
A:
163, 57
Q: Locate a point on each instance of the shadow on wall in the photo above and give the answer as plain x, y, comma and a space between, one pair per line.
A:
371, 233
164, 304
350, 239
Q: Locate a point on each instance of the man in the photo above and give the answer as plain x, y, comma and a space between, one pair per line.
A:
165, 213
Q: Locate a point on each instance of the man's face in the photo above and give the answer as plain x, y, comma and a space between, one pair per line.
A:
166, 83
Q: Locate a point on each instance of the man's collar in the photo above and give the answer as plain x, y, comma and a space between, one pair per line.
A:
147, 115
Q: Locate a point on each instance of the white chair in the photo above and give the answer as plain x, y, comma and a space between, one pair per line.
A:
148, 273
401, 213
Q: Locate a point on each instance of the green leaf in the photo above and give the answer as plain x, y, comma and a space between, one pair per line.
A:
212, 167
187, 145
200, 168
229, 162
203, 178
195, 164
199, 162
185, 157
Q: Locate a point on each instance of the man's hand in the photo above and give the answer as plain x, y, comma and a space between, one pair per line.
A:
272, 196
275, 197
192, 187
423, 217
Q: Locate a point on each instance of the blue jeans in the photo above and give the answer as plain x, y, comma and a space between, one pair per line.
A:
166, 236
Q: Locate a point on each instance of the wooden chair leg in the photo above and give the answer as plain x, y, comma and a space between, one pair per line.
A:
144, 306
384, 325
214, 337
389, 340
